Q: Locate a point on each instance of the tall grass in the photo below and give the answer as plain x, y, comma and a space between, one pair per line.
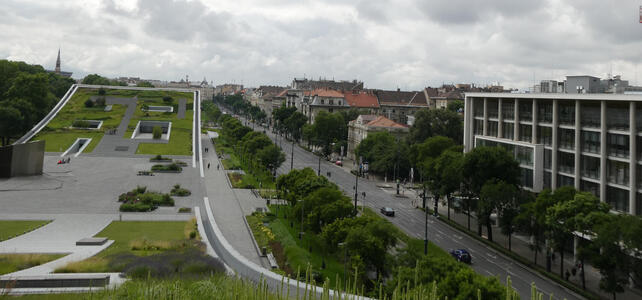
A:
10, 263
229, 287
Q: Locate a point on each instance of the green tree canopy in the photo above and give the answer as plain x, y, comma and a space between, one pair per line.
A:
435, 122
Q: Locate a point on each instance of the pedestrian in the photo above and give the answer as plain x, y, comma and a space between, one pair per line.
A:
208, 166
553, 256
567, 274
217, 166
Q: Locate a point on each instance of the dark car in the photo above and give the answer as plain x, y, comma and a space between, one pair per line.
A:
461, 255
388, 211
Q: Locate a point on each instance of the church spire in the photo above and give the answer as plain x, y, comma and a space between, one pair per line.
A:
58, 63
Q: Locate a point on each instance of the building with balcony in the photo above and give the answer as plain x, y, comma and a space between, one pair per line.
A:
589, 141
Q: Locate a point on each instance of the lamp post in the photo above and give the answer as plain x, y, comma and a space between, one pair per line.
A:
426, 225
345, 259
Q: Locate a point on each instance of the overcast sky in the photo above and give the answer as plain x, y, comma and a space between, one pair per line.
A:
386, 43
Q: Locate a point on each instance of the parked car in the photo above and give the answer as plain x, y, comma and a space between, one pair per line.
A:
387, 211
338, 163
461, 255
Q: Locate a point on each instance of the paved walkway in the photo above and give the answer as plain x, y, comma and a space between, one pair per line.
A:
110, 142
229, 206
181, 108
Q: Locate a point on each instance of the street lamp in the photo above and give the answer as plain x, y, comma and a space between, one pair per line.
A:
345, 259
426, 224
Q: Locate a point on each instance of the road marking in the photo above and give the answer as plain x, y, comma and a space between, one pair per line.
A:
459, 237
490, 273
491, 256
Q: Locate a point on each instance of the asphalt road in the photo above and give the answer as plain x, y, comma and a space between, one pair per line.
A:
486, 261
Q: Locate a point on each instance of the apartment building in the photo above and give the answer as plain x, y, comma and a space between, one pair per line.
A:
589, 141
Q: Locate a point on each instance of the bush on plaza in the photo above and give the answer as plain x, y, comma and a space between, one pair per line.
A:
179, 191
157, 132
101, 92
170, 167
89, 103
135, 207
168, 99
100, 101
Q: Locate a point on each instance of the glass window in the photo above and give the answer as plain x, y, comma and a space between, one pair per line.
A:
525, 110
545, 111
525, 133
548, 158
544, 135
590, 141
508, 109
566, 138
566, 162
508, 131
478, 127
478, 107
618, 172
493, 108
566, 112
638, 119
524, 155
617, 198
638, 206
618, 145
617, 116
590, 114
492, 128
527, 177
564, 181
592, 187
547, 180
590, 167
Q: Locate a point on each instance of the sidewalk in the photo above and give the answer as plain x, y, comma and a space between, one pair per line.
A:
230, 206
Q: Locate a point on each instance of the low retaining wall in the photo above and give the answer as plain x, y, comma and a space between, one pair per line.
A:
56, 281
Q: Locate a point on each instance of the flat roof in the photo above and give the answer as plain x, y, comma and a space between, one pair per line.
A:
613, 97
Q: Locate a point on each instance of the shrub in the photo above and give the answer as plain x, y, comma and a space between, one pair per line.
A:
136, 207
184, 210
101, 92
178, 191
145, 107
170, 167
100, 101
157, 132
140, 189
80, 124
89, 103
168, 99
192, 235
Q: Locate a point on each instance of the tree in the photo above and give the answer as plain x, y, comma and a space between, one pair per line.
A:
493, 194
449, 167
485, 164
576, 215
298, 184
11, 123
293, 124
328, 129
272, 157
436, 122
372, 242
308, 133
609, 254
144, 84
323, 207
456, 106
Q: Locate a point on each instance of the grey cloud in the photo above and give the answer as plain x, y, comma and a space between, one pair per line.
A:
474, 11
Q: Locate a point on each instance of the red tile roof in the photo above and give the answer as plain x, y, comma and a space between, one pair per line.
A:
326, 93
361, 99
382, 121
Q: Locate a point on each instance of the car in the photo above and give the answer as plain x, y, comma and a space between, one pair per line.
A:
461, 255
387, 211
338, 163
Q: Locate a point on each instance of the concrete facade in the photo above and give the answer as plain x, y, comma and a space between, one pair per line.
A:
588, 141
22, 159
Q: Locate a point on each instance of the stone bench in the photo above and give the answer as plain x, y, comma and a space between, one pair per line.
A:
272, 261
95, 241
55, 281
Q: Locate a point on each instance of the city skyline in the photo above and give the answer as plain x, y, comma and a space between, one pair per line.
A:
407, 44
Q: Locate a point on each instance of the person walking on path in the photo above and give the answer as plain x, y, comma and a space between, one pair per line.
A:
208, 166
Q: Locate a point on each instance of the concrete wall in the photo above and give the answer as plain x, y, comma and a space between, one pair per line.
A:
22, 159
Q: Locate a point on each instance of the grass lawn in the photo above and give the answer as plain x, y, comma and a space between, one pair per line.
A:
180, 140
59, 141
134, 237
10, 263
10, 229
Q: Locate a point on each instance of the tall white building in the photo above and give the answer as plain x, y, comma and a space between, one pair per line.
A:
589, 141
